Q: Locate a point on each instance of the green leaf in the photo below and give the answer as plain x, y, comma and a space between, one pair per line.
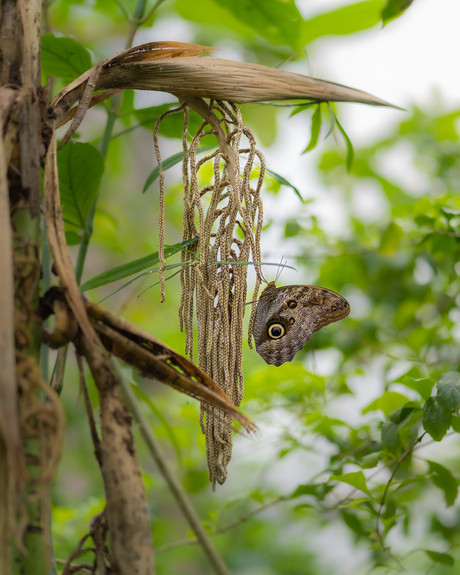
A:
356, 480
139, 276
423, 220
292, 229
456, 423
169, 163
346, 20
370, 460
394, 8
72, 238
445, 126
171, 126
177, 158
400, 415
443, 558
257, 496
315, 129
302, 107
278, 22
307, 489
390, 239
148, 116
350, 150
359, 503
423, 386
409, 481
332, 125
211, 13
448, 394
444, 479
390, 522
133, 267
325, 426
284, 182
391, 442
352, 521
388, 402
80, 171
63, 57
319, 490
436, 420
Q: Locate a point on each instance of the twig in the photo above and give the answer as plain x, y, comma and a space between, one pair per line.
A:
387, 486
139, 18
151, 11
89, 411
83, 568
444, 232
231, 525
176, 488
376, 349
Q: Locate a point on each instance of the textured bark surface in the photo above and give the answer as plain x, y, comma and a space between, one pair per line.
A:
127, 511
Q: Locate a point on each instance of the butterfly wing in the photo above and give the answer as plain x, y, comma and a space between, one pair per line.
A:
286, 317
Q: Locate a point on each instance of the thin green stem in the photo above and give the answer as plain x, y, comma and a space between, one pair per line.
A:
108, 131
111, 119
112, 116
123, 9
139, 13
84, 244
151, 11
387, 487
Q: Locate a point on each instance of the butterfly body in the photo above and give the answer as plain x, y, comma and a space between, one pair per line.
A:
286, 317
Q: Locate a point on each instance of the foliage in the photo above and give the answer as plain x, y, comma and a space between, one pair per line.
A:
360, 430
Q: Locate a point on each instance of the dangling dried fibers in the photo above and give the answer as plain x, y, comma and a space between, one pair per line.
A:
227, 218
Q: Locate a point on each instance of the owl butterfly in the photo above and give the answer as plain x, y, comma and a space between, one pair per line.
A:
286, 318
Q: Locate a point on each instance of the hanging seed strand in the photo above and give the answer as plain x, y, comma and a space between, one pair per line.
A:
161, 183
227, 218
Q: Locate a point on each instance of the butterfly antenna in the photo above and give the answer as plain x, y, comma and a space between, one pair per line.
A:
261, 275
280, 268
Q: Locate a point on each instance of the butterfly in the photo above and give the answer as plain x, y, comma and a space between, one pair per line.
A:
286, 317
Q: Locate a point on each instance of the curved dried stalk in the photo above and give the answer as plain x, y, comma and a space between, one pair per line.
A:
129, 524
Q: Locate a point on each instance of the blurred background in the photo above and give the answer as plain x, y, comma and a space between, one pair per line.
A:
384, 234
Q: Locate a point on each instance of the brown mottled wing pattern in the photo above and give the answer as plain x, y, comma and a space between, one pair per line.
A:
295, 312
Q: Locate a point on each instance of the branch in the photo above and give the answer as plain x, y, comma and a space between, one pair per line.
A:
231, 525
175, 487
387, 486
